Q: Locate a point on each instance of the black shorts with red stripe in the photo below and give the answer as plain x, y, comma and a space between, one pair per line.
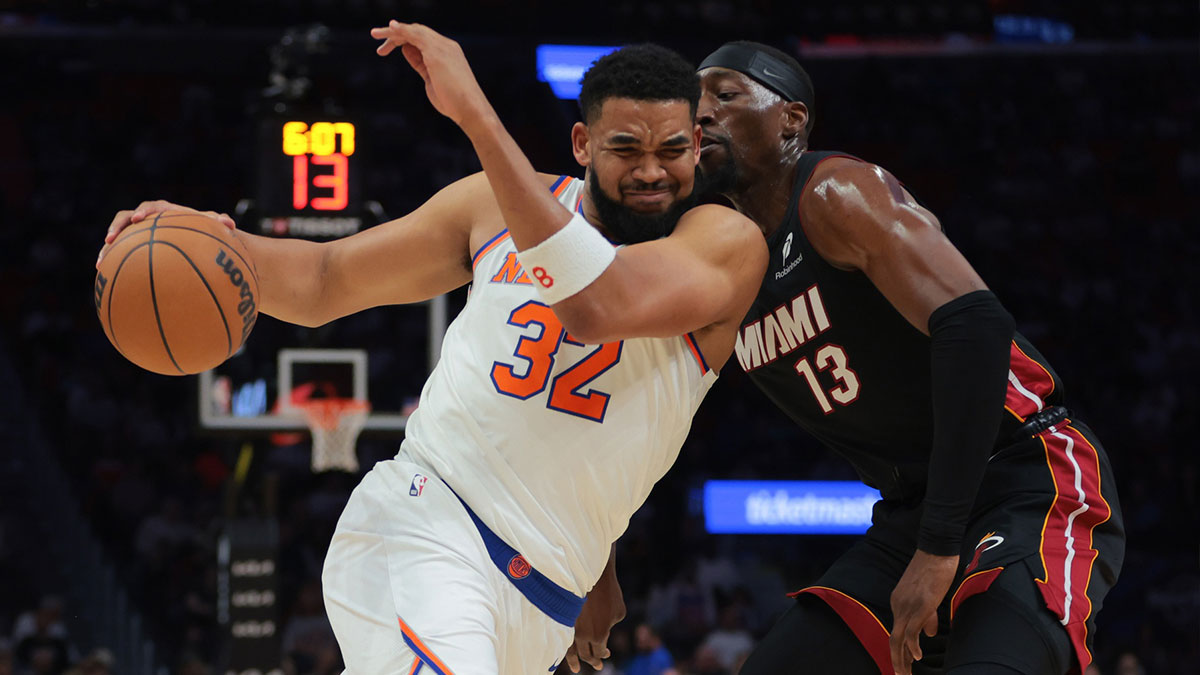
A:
1045, 538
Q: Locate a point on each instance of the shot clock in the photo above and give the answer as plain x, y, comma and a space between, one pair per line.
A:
309, 177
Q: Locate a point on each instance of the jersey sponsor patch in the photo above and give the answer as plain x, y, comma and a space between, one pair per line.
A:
787, 249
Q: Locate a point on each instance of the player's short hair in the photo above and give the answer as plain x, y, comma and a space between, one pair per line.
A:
643, 72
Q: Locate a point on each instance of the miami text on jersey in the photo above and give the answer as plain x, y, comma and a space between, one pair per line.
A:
778, 333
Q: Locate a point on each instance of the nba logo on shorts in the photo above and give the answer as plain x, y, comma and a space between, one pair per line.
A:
518, 567
418, 484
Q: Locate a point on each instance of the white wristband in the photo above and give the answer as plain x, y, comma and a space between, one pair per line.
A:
568, 261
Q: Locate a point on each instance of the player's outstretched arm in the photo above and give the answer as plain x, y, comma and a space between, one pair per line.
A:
531, 213
410, 259
707, 271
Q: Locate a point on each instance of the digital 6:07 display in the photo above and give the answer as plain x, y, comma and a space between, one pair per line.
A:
308, 178
324, 144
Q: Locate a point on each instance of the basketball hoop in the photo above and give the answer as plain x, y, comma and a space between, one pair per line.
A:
335, 423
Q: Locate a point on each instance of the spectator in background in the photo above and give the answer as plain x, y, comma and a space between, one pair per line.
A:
45, 620
40, 639
164, 532
193, 665
99, 662
730, 642
684, 606
706, 662
308, 639
36, 656
1129, 664
652, 657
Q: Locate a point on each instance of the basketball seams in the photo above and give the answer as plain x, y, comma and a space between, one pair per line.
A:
112, 286
244, 260
154, 298
169, 214
211, 293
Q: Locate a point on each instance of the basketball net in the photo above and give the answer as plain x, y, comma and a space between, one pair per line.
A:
334, 423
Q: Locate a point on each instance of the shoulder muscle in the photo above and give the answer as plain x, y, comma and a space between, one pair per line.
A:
852, 208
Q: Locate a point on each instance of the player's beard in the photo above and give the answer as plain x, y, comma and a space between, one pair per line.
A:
627, 226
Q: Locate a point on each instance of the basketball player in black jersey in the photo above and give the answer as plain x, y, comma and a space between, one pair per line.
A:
999, 531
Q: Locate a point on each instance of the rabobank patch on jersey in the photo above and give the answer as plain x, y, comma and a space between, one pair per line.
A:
787, 507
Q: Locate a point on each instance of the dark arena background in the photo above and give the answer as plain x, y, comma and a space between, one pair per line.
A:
1057, 141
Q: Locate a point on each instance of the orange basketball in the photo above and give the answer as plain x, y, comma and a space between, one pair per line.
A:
177, 293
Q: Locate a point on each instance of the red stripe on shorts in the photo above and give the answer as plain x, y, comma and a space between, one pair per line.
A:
973, 585
866, 626
1066, 547
1028, 384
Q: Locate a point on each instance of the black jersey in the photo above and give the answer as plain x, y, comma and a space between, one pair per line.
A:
829, 350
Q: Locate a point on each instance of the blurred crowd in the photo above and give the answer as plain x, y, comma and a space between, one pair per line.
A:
1068, 180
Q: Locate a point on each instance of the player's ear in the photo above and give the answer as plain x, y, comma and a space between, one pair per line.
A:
795, 118
697, 133
580, 144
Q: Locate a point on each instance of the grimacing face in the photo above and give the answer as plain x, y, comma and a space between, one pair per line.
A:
641, 158
643, 154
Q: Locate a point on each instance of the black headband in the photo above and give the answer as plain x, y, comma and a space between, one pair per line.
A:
772, 73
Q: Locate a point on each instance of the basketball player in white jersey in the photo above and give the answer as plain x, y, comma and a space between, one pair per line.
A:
599, 312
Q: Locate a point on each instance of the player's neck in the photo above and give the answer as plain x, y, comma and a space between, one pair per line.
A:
592, 214
763, 194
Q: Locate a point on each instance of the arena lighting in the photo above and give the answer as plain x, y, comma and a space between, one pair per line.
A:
787, 507
562, 66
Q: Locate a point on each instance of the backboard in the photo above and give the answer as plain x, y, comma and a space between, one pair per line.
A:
381, 357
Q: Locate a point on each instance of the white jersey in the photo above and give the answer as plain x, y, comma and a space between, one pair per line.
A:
552, 443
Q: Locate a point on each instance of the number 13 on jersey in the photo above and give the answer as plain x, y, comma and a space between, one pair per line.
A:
540, 351
830, 356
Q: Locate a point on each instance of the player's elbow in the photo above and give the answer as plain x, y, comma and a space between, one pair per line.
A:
310, 294
298, 314
587, 320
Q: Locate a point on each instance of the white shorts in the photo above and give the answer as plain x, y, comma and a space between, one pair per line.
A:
411, 587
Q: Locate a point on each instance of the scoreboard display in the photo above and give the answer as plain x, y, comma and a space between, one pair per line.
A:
309, 177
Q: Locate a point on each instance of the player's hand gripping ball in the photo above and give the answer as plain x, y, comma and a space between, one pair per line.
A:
177, 293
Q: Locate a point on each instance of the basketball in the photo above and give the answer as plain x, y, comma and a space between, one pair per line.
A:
177, 293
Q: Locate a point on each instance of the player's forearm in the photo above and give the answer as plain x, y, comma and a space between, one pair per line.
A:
531, 213
969, 360
290, 278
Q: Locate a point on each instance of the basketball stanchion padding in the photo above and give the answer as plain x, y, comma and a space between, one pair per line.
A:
334, 423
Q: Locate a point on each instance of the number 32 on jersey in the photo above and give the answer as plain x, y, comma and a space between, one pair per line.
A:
539, 352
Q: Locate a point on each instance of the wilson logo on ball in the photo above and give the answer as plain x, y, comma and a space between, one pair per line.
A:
101, 282
518, 567
246, 308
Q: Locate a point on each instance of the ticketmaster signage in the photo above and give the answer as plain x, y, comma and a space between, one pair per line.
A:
787, 507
